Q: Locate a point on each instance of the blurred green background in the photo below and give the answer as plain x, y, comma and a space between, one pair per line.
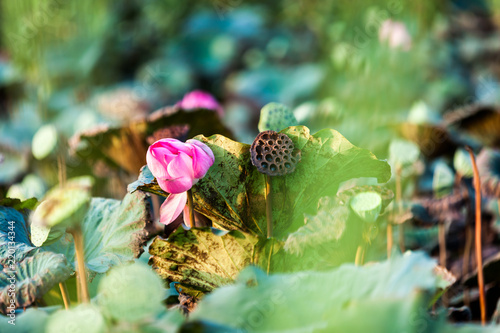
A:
69, 66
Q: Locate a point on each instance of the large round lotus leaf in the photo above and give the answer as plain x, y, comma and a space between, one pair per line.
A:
131, 293
42, 235
44, 142
33, 277
367, 205
275, 117
82, 319
402, 152
32, 320
64, 206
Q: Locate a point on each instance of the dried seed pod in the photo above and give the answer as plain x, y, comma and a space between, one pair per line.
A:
274, 153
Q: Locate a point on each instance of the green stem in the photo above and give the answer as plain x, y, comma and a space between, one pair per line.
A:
389, 239
80, 258
65, 295
191, 208
360, 256
400, 209
442, 255
270, 256
269, 209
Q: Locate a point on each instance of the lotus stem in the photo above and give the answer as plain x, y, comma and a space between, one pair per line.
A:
466, 260
360, 256
64, 294
270, 256
191, 208
442, 254
479, 253
442, 244
80, 258
400, 209
389, 240
61, 170
269, 209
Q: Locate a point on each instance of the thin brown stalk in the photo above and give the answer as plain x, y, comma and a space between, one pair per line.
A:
400, 209
466, 259
479, 253
269, 209
360, 256
191, 208
65, 295
389, 240
82, 279
442, 254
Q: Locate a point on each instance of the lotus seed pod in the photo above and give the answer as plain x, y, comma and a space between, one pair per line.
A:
367, 205
462, 163
64, 206
274, 154
42, 235
386, 194
275, 117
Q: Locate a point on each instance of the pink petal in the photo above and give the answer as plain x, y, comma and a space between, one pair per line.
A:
172, 207
203, 146
157, 162
181, 166
201, 162
185, 215
177, 185
176, 146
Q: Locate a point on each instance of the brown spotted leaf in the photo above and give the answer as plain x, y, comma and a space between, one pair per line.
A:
201, 260
125, 147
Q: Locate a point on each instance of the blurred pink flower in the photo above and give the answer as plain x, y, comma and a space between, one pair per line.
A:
396, 34
198, 99
177, 166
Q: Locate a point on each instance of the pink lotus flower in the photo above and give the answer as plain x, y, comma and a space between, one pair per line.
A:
198, 99
396, 34
177, 166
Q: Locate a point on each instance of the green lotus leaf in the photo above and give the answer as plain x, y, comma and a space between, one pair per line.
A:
131, 293
232, 194
202, 260
84, 318
14, 236
32, 278
33, 320
326, 226
18, 204
146, 182
385, 296
113, 232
